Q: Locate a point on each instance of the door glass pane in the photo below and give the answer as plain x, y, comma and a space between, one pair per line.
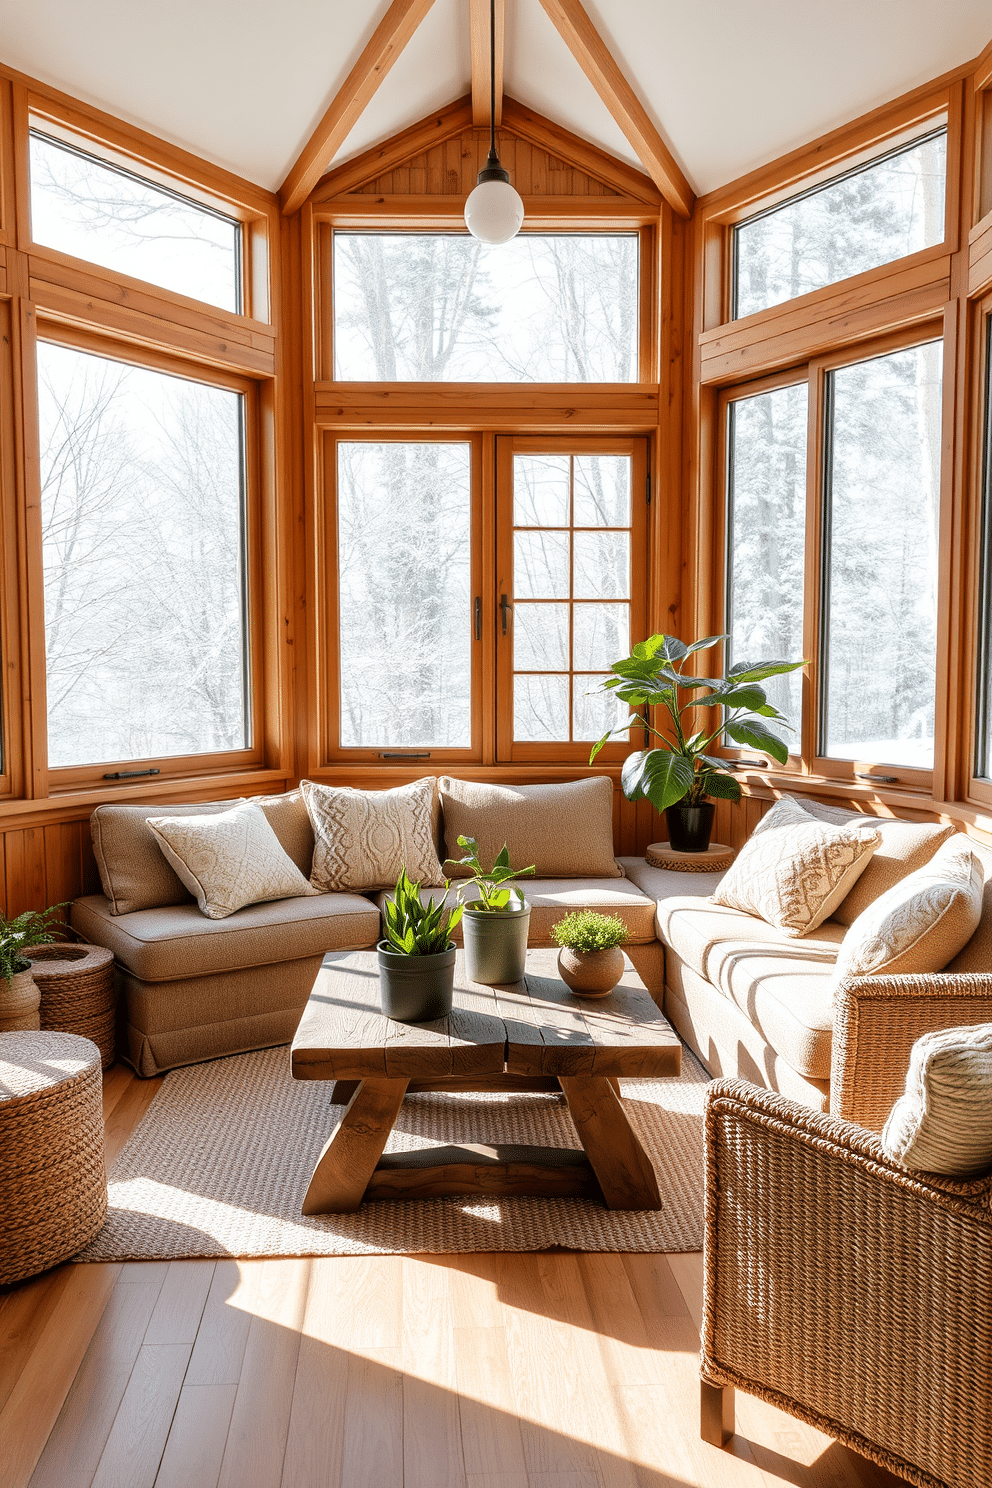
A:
442, 307
540, 490
143, 547
404, 576
601, 635
540, 565
883, 503
766, 500
540, 637
83, 206
884, 211
540, 709
602, 491
602, 565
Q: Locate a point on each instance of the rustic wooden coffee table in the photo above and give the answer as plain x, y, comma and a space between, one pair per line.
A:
534, 1035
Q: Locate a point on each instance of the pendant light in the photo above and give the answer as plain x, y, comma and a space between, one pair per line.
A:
494, 211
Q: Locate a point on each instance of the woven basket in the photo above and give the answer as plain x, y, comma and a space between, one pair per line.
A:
19, 1003
76, 983
53, 1184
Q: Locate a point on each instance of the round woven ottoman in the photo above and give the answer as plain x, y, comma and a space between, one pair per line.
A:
76, 983
53, 1184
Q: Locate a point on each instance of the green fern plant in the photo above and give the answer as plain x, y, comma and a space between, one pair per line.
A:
33, 927
416, 928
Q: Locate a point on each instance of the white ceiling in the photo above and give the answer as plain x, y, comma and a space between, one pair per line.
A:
730, 83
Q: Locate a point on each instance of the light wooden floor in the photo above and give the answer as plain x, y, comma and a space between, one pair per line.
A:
469, 1371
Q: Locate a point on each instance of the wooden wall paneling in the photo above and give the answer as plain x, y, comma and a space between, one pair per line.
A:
534, 407
8, 208
561, 143
450, 167
479, 40
378, 213
441, 125
980, 254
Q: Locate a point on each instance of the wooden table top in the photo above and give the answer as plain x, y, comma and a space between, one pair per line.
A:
535, 1027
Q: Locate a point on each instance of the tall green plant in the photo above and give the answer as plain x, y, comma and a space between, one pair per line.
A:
414, 928
33, 927
679, 769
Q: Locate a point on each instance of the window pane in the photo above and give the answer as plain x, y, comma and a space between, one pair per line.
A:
540, 490
767, 536
405, 576
540, 565
602, 635
602, 491
594, 712
875, 215
882, 598
540, 709
442, 307
85, 207
540, 637
602, 565
143, 547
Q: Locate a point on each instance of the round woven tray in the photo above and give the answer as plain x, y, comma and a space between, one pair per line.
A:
53, 1185
716, 859
76, 983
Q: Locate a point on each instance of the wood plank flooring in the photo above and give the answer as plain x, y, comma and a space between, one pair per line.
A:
552, 1370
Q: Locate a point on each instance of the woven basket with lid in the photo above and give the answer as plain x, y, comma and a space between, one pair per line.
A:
76, 983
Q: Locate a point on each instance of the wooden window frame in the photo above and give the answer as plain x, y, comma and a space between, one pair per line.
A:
67, 780
979, 580
13, 636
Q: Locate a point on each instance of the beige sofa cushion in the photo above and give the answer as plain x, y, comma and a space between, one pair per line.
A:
176, 941
229, 859
133, 872
794, 870
941, 1124
552, 898
921, 923
287, 816
566, 831
365, 839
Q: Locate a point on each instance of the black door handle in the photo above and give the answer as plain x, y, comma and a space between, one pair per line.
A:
478, 618
504, 608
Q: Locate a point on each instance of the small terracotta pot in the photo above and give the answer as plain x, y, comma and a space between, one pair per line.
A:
590, 973
20, 1001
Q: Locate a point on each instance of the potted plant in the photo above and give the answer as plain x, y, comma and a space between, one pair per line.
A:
590, 960
417, 956
678, 776
496, 923
19, 996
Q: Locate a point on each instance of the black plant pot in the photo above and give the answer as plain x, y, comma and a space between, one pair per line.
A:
690, 827
416, 989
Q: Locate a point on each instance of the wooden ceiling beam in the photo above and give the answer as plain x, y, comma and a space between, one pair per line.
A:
479, 18
596, 61
387, 42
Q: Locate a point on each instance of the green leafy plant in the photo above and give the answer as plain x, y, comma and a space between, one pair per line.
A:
654, 677
33, 927
416, 928
585, 930
494, 885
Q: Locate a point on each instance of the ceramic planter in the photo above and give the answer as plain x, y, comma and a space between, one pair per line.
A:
20, 1001
590, 973
496, 943
416, 989
690, 827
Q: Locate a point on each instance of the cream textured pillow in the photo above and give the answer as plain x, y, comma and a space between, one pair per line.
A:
364, 839
922, 922
229, 859
794, 870
941, 1124
566, 831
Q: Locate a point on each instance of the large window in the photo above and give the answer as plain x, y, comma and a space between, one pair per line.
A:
83, 206
436, 307
883, 211
143, 513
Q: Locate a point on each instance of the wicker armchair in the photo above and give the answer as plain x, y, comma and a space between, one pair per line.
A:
846, 1290
877, 1020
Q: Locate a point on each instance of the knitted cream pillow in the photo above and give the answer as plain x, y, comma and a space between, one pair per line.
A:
941, 1124
229, 859
794, 870
364, 839
921, 922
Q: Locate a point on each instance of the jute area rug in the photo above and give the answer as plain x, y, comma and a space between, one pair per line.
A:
221, 1161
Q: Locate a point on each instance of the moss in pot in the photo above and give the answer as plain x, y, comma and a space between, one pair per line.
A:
417, 955
590, 960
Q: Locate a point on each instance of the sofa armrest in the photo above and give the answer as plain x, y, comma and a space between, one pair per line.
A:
877, 1021
841, 1287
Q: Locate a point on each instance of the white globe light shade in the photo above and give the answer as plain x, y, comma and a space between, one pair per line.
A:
494, 212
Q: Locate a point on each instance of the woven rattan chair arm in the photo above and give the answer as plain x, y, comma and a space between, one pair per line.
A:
877, 1020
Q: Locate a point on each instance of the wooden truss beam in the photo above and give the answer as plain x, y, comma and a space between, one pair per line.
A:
479, 16
387, 42
596, 61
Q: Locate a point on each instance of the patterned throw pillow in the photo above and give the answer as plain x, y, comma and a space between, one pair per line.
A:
364, 839
941, 1124
229, 859
794, 870
921, 922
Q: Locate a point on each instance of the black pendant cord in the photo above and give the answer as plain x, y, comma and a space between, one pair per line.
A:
493, 170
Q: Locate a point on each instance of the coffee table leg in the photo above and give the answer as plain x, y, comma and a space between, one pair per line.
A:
619, 1161
349, 1158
